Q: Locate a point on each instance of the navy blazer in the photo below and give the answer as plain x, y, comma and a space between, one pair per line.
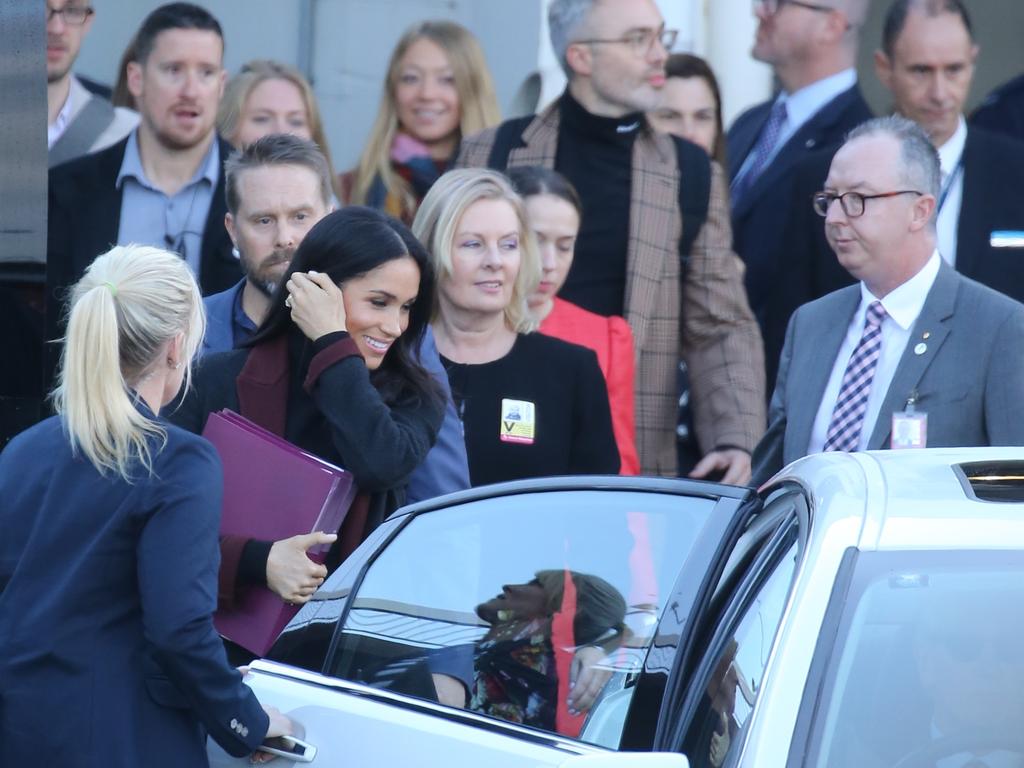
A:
444, 470
993, 199
759, 218
108, 654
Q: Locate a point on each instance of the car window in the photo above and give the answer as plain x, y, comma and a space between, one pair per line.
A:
928, 666
732, 682
501, 605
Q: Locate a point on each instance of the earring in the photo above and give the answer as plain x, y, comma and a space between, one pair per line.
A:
172, 364
235, 253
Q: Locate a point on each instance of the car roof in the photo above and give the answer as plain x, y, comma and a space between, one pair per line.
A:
937, 498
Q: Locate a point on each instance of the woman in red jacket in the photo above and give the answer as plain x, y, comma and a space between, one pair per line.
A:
554, 210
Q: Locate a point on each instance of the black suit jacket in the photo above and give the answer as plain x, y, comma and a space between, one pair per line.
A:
993, 199
84, 218
759, 218
85, 215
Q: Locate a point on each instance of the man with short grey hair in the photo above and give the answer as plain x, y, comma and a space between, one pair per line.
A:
915, 354
652, 205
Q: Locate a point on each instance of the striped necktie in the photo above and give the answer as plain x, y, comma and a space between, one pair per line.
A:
762, 152
848, 416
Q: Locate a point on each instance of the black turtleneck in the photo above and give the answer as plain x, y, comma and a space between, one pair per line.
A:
596, 154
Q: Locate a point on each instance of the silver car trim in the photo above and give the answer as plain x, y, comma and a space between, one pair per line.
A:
276, 669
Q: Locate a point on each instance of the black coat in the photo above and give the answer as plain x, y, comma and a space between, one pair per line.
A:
759, 218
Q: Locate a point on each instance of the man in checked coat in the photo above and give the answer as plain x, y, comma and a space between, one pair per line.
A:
680, 287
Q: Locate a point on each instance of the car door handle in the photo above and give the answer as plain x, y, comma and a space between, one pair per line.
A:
290, 748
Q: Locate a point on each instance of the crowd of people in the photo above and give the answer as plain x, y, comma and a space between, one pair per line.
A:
612, 285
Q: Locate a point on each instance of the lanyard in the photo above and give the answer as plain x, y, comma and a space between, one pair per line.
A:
950, 181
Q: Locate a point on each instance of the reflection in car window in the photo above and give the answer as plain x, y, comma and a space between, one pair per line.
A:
930, 670
735, 680
500, 606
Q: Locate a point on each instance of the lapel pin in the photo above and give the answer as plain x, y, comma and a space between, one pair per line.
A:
926, 334
920, 349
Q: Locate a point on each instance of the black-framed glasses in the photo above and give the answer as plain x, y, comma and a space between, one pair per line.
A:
75, 15
772, 6
852, 202
640, 41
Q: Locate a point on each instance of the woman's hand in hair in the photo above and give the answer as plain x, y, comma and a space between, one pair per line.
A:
317, 304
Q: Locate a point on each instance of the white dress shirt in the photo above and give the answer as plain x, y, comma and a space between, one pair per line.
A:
56, 129
951, 159
902, 306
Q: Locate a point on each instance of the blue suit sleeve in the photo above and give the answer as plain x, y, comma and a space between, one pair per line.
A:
446, 468
178, 559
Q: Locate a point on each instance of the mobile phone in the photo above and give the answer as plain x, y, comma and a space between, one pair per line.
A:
293, 748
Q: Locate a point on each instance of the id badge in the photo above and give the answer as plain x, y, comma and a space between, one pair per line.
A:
518, 421
909, 429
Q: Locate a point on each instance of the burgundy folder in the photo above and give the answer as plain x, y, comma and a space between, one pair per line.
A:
272, 491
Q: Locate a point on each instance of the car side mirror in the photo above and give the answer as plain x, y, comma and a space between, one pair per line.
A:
627, 760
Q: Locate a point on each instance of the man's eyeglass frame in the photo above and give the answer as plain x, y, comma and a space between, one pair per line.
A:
667, 38
772, 6
822, 201
72, 15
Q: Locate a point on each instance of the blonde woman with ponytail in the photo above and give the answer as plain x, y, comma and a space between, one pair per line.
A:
108, 558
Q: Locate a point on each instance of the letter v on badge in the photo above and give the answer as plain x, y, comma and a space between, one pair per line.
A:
518, 421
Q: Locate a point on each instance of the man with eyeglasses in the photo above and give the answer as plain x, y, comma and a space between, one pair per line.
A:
812, 49
926, 61
914, 349
654, 244
78, 122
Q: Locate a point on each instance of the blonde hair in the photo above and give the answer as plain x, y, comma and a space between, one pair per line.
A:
439, 216
241, 86
132, 301
478, 106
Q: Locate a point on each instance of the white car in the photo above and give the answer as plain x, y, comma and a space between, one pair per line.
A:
861, 610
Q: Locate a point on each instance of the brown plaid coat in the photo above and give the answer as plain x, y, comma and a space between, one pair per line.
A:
704, 319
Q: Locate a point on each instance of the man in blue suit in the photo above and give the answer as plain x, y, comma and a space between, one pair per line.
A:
913, 339
811, 47
276, 190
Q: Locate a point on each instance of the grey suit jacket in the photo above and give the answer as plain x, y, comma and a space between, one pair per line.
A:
969, 380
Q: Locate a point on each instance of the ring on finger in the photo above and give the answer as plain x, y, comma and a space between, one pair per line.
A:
288, 301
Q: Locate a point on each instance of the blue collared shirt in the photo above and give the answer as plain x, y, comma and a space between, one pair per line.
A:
242, 326
150, 217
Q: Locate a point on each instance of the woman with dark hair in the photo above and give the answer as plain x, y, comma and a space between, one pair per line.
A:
691, 104
554, 211
333, 369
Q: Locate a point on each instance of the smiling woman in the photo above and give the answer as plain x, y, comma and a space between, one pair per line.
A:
531, 405
437, 90
333, 369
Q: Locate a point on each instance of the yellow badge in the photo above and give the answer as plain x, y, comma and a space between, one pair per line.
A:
518, 421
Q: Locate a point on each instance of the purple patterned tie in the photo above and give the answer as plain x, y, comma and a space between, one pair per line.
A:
848, 417
762, 151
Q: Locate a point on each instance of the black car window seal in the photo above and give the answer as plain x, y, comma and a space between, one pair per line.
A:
719, 629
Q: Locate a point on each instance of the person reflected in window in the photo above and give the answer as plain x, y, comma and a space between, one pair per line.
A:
531, 405
521, 666
438, 89
554, 211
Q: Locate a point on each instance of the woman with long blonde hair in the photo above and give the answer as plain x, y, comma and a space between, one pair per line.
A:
437, 90
267, 97
108, 559
531, 405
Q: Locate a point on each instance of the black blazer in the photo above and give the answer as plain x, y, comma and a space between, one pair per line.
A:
85, 215
108, 654
84, 218
758, 219
993, 199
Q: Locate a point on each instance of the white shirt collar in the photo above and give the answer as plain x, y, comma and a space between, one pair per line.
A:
904, 303
803, 104
56, 129
951, 152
